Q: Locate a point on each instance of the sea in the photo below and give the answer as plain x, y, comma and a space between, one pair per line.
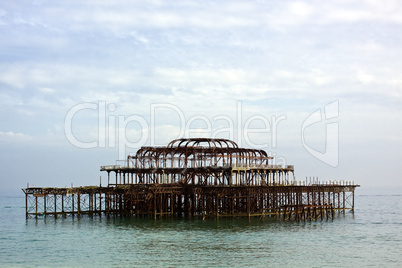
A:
371, 236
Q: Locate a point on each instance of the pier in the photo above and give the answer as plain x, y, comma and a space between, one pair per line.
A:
199, 178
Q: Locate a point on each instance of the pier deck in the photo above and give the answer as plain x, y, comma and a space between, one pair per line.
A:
288, 202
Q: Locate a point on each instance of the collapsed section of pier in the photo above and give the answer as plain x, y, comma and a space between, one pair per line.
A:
197, 177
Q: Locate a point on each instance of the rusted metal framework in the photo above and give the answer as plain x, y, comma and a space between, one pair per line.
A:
65, 201
200, 161
197, 177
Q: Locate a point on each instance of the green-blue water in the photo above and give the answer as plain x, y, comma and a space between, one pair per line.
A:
372, 236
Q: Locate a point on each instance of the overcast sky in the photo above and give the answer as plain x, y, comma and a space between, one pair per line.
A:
83, 83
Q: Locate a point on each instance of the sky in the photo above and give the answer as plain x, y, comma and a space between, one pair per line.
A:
316, 84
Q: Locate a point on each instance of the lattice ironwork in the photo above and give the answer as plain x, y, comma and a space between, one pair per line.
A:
197, 177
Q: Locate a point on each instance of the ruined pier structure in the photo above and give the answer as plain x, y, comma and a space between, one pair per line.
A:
197, 177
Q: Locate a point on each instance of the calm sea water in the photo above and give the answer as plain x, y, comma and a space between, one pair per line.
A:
371, 236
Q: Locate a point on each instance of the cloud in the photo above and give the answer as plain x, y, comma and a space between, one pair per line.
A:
300, 9
2, 14
139, 37
365, 78
46, 90
12, 137
355, 11
125, 17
